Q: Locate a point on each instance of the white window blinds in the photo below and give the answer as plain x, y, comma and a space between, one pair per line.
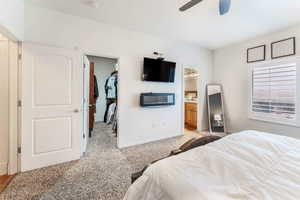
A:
274, 91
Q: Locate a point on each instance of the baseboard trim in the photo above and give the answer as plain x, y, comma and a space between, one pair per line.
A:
149, 141
3, 168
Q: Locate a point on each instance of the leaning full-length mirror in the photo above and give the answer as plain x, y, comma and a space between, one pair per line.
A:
215, 108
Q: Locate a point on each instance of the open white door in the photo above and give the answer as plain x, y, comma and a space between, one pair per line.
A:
86, 79
52, 91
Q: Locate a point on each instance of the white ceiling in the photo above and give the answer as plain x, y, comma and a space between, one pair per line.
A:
201, 24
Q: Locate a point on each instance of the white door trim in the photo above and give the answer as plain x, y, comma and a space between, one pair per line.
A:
86, 97
14, 63
119, 85
199, 117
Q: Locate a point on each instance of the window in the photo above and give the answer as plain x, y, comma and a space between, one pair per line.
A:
274, 92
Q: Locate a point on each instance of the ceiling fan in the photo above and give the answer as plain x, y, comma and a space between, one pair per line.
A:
224, 6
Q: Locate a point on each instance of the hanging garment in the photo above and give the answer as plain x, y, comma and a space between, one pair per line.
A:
115, 122
111, 112
96, 89
94, 94
108, 102
111, 86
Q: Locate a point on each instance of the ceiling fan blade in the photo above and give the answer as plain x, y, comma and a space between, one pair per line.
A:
189, 5
224, 6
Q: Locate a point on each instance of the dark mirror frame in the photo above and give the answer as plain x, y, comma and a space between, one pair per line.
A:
208, 107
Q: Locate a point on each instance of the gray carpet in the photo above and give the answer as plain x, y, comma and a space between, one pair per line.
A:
103, 174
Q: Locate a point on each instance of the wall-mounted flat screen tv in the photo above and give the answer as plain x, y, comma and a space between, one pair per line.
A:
157, 70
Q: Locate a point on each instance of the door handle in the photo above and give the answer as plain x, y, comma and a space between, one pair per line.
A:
76, 111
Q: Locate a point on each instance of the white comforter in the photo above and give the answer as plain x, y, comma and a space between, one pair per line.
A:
241, 166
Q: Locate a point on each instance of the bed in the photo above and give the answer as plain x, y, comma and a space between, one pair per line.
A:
241, 166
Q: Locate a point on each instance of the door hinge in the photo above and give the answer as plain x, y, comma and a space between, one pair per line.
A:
19, 150
20, 56
19, 103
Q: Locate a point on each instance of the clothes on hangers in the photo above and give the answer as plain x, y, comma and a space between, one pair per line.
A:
111, 112
111, 90
115, 122
108, 103
111, 86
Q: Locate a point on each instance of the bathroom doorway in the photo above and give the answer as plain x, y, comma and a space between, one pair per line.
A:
191, 78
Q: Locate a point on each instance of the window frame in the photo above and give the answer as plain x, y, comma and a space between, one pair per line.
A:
268, 117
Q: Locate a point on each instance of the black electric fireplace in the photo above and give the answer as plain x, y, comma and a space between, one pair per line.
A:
157, 99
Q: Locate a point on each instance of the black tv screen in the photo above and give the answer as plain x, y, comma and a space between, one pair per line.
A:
158, 70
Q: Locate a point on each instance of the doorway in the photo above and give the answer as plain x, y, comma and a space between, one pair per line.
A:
101, 94
191, 100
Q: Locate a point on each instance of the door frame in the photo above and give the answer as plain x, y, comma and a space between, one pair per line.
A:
118, 91
14, 64
199, 118
86, 75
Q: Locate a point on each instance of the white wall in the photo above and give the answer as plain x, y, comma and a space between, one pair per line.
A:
103, 68
136, 125
12, 18
4, 105
230, 69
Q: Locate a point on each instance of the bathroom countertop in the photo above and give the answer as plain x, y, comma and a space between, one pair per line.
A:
191, 101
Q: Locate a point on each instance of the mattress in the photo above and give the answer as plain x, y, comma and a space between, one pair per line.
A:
241, 166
